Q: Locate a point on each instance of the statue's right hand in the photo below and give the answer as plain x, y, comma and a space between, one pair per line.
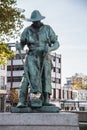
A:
42, 49
38, 49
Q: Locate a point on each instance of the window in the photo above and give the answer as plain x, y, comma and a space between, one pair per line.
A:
59, 93
54, 58
15, 67
54, 93
56, 80
53, 79
59, 81
2, 67
59, 60
59, 70
14, 79
56, 69
2, 82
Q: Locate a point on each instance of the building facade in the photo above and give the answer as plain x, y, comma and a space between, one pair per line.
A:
71, 91
3, 81
3, 71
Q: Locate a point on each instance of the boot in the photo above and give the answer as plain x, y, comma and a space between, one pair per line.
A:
22, 102
21, 105
46, 100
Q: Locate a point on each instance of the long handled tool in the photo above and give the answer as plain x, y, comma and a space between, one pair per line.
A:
19, 50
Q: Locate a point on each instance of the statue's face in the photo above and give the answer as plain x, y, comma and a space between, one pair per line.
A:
37, 24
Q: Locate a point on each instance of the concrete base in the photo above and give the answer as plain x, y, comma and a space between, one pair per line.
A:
39, 121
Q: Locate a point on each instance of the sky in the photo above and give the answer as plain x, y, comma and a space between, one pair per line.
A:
68, 18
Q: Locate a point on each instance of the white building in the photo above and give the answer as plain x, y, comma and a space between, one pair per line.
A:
3, 81
56, 76
80, 94
15, 72
3, 75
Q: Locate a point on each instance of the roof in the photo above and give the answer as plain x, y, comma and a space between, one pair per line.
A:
73, 101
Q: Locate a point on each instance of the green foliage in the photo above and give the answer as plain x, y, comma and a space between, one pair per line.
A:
5, 53
77, 83
10, 25
10, 19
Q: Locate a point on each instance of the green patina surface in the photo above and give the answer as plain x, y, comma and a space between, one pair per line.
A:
41, 40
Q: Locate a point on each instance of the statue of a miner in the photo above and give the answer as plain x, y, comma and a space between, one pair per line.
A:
40, 39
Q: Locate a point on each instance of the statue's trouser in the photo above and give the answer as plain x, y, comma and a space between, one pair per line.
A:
45, 78
24, 90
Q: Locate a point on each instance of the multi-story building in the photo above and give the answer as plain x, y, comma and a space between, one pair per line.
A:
56, 76
15, 71
3, 78
76, 94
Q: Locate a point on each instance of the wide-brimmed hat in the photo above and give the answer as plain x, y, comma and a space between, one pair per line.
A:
36, 16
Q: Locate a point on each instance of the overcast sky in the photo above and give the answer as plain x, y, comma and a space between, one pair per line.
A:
68, 18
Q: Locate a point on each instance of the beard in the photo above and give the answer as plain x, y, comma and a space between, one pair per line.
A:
37, 24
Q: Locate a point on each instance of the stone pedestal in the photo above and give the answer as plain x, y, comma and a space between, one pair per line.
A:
39, 121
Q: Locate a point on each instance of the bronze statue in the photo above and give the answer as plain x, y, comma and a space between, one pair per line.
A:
41, 40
